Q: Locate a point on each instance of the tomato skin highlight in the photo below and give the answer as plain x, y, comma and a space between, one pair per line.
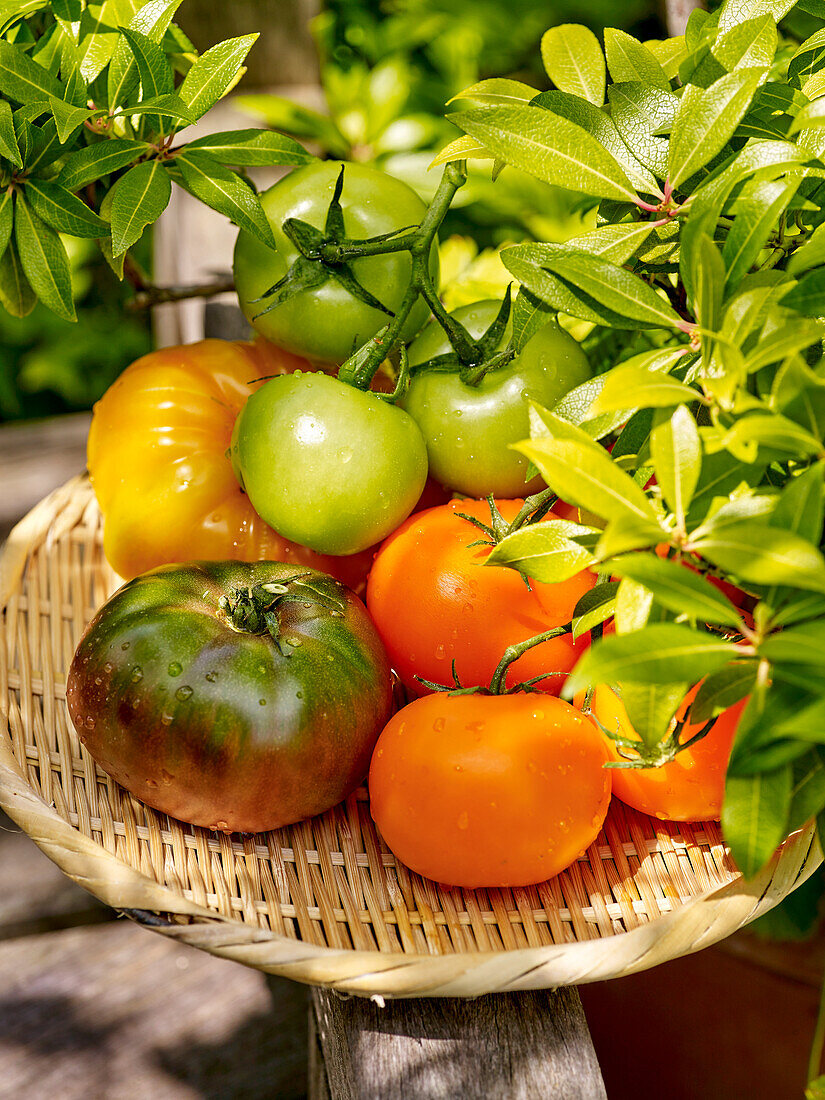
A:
463, 611
691, 787
469, 429
328, 465
474, 790
218, 727
157, 457
327, 323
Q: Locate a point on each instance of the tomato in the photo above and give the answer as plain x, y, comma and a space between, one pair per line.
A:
157, 457
202, 715
327, 322
689, 788
501, 790
328, 465
434, 603
469, 429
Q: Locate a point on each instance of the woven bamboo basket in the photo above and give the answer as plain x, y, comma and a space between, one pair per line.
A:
325, 901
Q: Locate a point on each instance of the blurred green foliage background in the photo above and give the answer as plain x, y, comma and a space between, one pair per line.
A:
388, 67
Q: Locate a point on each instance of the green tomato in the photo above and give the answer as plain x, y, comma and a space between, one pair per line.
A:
327, 465
327, 323
232, 695
469, 429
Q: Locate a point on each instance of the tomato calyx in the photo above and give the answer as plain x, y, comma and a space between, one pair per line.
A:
256, 609
498, 682
638, 756
472, 359
534, 509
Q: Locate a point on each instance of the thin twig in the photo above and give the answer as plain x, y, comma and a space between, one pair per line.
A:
158, 295
677, 13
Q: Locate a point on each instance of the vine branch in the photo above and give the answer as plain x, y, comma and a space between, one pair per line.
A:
151, 296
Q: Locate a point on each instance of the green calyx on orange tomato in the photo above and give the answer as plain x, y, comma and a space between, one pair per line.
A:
469, 422
314, 295
234, 696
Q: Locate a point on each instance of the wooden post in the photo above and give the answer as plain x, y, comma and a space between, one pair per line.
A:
510, 1046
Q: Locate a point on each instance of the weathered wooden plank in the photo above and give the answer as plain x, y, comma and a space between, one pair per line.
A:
114, 1012
526, 1046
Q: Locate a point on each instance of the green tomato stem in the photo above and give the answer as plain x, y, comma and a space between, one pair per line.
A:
518, 649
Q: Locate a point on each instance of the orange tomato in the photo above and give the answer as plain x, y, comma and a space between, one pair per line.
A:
157, 458
495, 790
433, 602
689, 788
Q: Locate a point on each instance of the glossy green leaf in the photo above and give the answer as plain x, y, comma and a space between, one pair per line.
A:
722, 689
803, 644
156, 76
677, 588
706, 279
808, 296
706, 120
733, 12
252, 148
660, 653
625, 533
44, 260
628, 59
8, 139
226, 192
630, 385
496, 91
138, 199
525, 261
213, 73
582, 476
759, 554
100, 32
595, 607
548, 147
16, 293
801, 505
546, 551
639, 112
574, 61
617, 242
772, 431
22, 79
755, 221
529, 315
810, 254
62, 210
6, 219
634, 604
92, 162
808, 790
151, 20
755, 816
166, 106
676, 452
747, 45
651, 707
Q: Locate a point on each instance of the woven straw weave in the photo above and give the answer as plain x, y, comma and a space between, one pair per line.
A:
325, 901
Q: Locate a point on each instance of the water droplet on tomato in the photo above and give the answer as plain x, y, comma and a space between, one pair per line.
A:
153, 783
439, 724
166, 776
183, 693
98, 679
463, 820
295, 642
439, 652
458, 412
474, 727
299, 695
222, 825
125, 645
459, 768
137, 674
538, 715
90, 722
107, 668
211, 677
346, 456
166, 718
262, 702
175, 668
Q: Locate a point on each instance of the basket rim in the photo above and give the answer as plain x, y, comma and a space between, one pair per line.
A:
696, 923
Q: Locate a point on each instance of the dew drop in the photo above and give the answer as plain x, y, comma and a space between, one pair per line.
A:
346, 456
439, 724
175, 668
222, 825
262, 702
538, 715
295, 642
107, 668
459, 768
98, 679
166, 718
166, 777
463, 820
474, 727
183, 693
125, 645
152, 783
299, 695
90, 722
211, 677
440, 652
137, 674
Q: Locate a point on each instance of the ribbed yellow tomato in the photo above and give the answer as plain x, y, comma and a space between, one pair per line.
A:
158, 461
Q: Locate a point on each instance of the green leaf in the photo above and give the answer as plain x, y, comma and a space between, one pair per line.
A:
706, 280
677, 588
634, 604
496, 91
8, 139
808, 791
781, 343
676, 451
617, 242
225, 192
44, 261
801, 505
62, 210
99, 34
151, 19
628, 59
525, 262
625, 533
807, 297
755, 816
156, 77
595, 606
722, 689
463, 148
810, 254
631, 385
138, 199
661, 653
587, 479
803, 644
22, 79
547, 552
776, 433
6, 219
529, 316
167, 106
213, 73
68, 118
252, 148
574, 61
734, 12
16, 293
93, 162
548, 147
706, 120
756, 219
624, 294
747, 45
639, 113
759, 554
651, 707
